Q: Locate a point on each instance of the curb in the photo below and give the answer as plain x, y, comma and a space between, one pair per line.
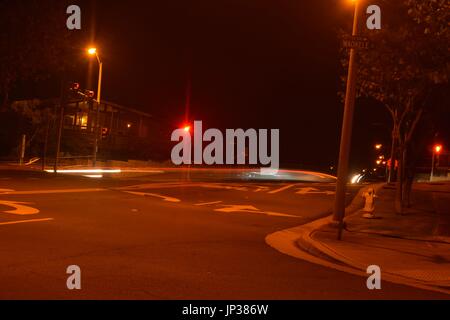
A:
298, 242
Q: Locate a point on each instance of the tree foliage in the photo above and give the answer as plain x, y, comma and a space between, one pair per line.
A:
408, 61
34, 41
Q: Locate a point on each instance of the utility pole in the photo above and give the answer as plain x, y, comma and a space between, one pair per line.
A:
44, 152
62, 103
22, 149
58, 140
346, 134
99, 96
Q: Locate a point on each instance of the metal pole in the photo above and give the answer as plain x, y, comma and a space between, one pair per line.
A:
99, 95
58, 142
346, 134
432, 167
44, 153
22, 149
62, 102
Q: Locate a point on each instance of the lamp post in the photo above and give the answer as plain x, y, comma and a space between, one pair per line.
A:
346, 134
93, 51
436, 151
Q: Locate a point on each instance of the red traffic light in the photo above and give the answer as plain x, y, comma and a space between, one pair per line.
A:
89, 93
437, 148
75, 86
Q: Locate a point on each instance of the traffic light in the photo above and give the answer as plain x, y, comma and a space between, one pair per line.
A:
75, 86
437, 149
89, 94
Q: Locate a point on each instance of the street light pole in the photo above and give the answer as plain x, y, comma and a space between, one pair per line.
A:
99, 95
346, 134
435, 156
432, 166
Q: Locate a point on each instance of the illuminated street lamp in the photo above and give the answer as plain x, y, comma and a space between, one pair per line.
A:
437, 149
93, 51
378, 146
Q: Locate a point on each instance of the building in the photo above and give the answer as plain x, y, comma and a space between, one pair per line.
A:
123, 133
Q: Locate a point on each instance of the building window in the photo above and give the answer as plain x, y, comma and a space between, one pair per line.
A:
82, 120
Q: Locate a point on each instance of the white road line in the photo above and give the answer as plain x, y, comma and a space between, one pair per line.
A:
208, 203
54, 191
25, 221
281, 189
165, 198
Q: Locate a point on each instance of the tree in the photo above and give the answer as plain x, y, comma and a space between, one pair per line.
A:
409, 59
34, 42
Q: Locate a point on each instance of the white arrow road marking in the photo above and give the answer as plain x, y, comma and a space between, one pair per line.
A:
310, 190
145, 194
261, 188
281, 189
252, 209
20, 208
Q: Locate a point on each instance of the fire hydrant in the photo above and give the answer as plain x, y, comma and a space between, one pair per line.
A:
369, 206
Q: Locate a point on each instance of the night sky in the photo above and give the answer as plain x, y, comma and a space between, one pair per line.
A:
244, 64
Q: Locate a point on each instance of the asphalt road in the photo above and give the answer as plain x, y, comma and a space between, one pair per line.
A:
165, 236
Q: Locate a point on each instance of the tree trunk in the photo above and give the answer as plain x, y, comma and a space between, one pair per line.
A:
406, 180
393, 149
399, 184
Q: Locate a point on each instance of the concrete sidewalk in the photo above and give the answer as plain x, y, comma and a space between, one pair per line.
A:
414, 247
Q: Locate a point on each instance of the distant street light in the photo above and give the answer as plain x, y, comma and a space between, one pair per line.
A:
437, 149
378, 146
346, 134
93, 51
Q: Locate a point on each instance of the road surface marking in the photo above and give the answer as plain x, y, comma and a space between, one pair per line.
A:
183, 185
152, 186
309, 190
261, 188
55, 191
221, 186
165, 198
208, 203
252, 209
25, 221
281, 189
20, 208
6, 190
